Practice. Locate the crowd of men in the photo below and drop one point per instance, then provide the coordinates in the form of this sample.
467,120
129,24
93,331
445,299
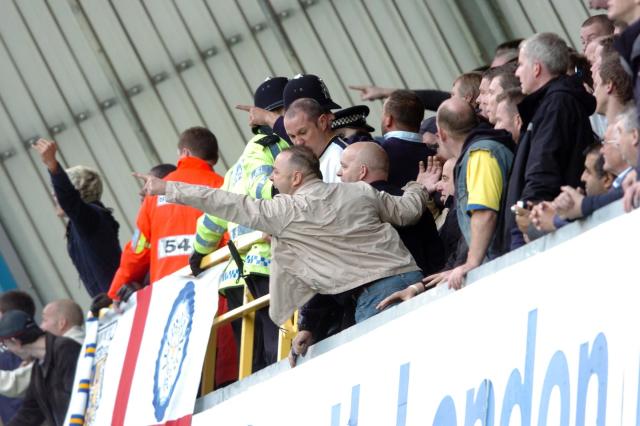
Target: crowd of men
352,223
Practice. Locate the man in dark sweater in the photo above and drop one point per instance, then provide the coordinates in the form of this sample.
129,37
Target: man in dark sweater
52,374
402,114
555,130
92,231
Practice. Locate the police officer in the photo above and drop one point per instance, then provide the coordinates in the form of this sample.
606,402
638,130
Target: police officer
300,86
248,176
351,124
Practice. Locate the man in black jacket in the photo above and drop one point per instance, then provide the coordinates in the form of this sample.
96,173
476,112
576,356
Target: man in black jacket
554,133
92,231
52,374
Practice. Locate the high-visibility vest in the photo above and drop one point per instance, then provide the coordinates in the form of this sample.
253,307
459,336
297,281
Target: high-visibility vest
248,176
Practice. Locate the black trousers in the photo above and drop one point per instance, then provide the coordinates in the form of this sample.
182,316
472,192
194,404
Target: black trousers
265,337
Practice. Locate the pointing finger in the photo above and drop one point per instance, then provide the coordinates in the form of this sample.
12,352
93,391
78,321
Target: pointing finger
142,176
244,107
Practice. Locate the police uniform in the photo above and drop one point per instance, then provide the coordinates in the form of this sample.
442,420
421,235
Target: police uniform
354,117
249,176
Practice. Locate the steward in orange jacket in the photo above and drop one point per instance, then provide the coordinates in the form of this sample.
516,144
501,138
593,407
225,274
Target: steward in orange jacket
163,240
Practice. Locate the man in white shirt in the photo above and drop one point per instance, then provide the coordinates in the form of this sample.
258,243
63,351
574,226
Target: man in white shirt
309,124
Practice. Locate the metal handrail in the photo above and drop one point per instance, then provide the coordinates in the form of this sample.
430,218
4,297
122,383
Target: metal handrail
247,313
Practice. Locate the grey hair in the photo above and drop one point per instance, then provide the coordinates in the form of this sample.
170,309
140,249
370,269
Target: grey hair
628,118
550,50
87,181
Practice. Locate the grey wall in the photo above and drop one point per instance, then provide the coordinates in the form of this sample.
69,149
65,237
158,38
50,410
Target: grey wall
114,82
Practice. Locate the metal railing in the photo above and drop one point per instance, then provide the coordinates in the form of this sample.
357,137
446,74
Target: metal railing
247,312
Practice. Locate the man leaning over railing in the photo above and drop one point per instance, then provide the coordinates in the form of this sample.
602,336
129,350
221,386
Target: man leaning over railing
328,238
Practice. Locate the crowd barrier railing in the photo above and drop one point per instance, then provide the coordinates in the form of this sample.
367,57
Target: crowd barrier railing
247,312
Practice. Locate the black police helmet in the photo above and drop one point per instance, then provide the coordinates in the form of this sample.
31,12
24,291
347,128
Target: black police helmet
269,94
308,86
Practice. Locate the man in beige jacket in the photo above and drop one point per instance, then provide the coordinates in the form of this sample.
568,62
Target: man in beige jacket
328,238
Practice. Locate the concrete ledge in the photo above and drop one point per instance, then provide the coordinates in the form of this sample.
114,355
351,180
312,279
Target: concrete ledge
564,234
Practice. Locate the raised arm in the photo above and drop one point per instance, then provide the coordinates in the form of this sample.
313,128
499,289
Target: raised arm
265,215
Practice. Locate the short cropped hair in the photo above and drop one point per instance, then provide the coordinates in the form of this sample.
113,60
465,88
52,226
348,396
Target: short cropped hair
611,70
509,50
603,20
87,181
201,142
513,97
491,73
507,46
469,84
507,75
595,148
457,122
406,108
303,159
628,118
548,49
308,106
16,300
161,170
607,45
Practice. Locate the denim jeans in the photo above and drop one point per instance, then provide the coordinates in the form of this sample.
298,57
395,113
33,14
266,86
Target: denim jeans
380,289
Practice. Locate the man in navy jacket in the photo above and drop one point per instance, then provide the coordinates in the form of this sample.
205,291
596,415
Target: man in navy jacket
402,114
555,129
92,231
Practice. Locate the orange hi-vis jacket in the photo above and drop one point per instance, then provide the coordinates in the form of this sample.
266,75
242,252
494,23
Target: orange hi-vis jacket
162,242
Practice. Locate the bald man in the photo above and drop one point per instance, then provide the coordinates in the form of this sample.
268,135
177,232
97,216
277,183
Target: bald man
483,158
368,162
64,317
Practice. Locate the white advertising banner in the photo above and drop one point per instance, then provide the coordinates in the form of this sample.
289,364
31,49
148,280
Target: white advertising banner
549,340
148,358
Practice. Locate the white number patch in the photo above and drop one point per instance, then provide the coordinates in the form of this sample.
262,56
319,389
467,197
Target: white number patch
176,245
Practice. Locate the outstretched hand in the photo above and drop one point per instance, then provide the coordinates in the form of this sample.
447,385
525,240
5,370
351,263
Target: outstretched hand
429,174
371,93
152,184
259,116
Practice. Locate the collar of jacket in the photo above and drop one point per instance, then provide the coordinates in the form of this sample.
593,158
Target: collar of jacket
48,353
308,187
193,163
383,185
563,83
262,130
484,131
404,135
529,105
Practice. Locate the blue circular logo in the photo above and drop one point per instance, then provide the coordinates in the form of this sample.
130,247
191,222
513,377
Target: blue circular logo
173,349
